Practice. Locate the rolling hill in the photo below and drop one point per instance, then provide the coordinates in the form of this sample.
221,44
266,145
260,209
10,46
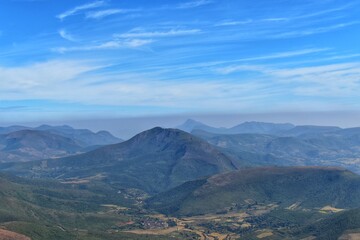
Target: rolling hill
341,226
46,209
291,187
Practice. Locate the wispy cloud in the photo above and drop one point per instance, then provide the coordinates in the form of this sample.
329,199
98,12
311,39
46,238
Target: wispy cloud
122,89
170,33
77,9
40,74
12,108
312,31
65,35
249,21
105,13
331,80
280,55
114,44
233,23
194,4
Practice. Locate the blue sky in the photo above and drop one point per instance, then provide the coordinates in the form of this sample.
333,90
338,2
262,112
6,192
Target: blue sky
110,58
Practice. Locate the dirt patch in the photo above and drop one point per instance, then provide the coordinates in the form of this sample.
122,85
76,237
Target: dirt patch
154,231
264,235
350,236
7,235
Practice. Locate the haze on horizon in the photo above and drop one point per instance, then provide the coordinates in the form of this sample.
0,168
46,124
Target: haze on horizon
215,59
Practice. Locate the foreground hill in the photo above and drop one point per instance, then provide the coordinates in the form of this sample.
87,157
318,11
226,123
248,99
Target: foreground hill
154,161
344,226
27,145
305,187
42,210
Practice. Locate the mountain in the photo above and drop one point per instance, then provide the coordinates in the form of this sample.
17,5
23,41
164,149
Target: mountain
154,161
309,131
305,187
339,148
83,137
246,127
260,127
26,145
276,129
191,125
6,130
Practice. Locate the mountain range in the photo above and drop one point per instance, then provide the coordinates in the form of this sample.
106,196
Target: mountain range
339,148
20,144
277,129
171,184
154,161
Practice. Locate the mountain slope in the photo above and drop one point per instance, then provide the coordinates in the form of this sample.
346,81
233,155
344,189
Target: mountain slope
307,187
334,227
309,130
26,145
154,161
46,209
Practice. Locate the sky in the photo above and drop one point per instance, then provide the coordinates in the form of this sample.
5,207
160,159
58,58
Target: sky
92,59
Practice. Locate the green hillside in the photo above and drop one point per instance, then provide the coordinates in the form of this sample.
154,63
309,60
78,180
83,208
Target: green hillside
305,187
333,227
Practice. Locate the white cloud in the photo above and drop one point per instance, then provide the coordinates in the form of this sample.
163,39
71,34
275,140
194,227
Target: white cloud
194,4
77,9
41,74
312,31
233,23
105,13
72,81
340,80
236,68
137,42
170,33
65,35
114,44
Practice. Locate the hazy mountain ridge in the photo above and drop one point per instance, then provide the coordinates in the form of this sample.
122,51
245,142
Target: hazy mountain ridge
253,127
27,145
246,127
83,137
18,143
337,148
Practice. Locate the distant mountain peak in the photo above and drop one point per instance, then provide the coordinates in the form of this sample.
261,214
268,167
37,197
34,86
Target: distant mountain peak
161,135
